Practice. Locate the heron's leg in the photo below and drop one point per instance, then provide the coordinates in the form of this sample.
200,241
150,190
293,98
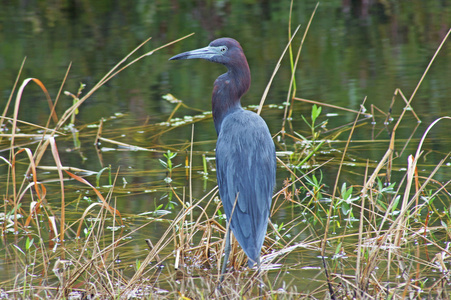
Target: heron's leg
260,289
227,249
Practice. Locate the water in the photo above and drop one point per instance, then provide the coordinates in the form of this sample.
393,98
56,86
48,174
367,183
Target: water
349,54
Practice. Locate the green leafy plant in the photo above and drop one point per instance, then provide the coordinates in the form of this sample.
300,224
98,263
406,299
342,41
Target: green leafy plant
169,165
76,99
137,264
316,112
311,146
99,174
345,202
28,243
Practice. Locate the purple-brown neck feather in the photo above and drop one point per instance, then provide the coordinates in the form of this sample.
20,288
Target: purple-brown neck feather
231,86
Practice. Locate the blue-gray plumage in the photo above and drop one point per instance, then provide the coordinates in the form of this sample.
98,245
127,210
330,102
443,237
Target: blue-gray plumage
245,152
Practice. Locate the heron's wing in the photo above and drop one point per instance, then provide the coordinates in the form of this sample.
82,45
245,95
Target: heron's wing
246,166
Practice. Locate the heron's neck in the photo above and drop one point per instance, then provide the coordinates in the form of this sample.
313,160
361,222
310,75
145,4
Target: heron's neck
227,92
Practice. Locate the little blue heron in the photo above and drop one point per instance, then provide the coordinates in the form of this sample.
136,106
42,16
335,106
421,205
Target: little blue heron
245,152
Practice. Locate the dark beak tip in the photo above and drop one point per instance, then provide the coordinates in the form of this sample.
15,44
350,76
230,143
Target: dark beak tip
178,57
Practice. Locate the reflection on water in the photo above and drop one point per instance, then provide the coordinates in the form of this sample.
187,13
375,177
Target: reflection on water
351,52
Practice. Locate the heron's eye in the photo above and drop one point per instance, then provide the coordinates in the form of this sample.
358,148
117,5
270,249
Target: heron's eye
223,49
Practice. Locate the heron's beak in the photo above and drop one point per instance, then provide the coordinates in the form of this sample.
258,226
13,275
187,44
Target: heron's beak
204,53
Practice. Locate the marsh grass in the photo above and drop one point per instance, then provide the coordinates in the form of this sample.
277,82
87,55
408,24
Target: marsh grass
376,239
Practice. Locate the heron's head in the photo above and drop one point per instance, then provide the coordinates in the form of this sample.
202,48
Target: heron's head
226,51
